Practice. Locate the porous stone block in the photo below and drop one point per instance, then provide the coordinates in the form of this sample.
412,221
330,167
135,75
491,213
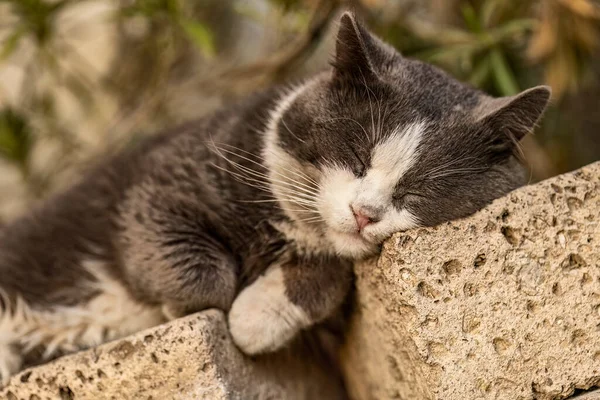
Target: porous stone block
189,358
502,305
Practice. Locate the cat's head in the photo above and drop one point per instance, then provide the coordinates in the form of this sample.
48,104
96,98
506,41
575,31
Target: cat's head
382,144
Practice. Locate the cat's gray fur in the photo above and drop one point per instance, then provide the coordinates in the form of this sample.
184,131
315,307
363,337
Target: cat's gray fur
232,209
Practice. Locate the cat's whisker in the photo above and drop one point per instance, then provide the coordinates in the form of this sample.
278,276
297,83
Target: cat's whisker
462,168
305,208
461,160
298,173
240,150
290,192
312,219
301,210
272,200
448,164
379,122
257,184
246,176
308,213
259,201
309,182
376,132
457,171
235,174
370,108
299,202
290,131
385,111
309,189
297,187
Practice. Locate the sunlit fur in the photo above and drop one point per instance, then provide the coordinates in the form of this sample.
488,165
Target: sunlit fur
62,329
250,209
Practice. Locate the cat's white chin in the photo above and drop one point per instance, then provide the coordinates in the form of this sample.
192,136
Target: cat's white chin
351,244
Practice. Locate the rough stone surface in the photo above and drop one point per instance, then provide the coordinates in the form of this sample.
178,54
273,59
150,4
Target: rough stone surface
502,305
190,358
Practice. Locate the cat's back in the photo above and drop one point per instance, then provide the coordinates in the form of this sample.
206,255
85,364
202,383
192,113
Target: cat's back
41,252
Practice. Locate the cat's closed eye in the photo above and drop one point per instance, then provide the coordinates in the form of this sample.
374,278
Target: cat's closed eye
404,197
359,168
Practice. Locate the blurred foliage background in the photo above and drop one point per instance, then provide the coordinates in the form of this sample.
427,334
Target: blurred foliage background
83,77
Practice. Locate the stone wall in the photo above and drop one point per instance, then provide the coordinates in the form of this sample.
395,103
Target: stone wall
502,305
191,358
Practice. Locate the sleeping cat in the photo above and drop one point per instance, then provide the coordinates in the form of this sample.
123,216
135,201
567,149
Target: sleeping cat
260,209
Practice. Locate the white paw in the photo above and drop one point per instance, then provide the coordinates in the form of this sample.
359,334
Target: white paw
262,319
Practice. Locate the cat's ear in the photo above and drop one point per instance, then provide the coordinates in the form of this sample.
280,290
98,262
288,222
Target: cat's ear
354,50
513,117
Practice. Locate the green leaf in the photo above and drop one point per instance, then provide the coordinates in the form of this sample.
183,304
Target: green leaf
201,36
503,76
514,27
448,54
488,11
15,136
470,17
481,72
11,43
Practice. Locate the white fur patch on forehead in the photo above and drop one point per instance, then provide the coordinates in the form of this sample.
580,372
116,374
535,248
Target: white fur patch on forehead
398,152
390,160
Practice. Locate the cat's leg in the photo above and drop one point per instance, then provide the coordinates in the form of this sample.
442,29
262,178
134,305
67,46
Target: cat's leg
170,257
192,275
289,297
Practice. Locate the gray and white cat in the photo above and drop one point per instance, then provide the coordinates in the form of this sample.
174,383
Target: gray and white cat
261,208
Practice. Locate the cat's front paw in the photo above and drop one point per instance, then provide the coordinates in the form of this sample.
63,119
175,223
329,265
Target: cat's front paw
262,318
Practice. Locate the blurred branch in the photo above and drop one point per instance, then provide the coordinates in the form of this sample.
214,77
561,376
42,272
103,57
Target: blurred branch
583,8
279,66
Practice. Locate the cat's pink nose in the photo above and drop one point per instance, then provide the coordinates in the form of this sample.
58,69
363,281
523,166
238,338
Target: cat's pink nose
363,216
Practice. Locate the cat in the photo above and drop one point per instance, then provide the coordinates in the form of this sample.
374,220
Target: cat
260,209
